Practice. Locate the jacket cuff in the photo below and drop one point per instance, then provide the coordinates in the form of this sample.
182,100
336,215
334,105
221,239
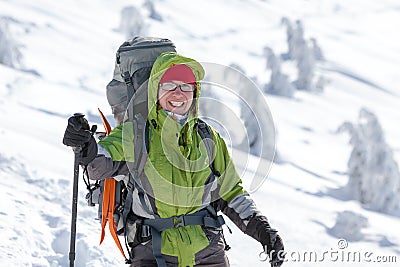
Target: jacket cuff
89,152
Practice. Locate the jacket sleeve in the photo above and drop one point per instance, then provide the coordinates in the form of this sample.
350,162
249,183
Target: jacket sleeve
243,212
112,154
103,166
233,200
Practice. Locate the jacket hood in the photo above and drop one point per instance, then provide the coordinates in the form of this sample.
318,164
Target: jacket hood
160,66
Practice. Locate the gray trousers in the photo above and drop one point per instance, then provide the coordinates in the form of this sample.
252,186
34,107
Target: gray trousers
213,255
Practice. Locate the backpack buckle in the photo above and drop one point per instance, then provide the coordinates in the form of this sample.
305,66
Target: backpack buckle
127,78
178,221
146,232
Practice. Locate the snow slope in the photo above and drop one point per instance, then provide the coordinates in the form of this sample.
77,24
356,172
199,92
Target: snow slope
68,50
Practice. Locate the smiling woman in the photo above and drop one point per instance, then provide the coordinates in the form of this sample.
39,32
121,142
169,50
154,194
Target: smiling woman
176,101
170,98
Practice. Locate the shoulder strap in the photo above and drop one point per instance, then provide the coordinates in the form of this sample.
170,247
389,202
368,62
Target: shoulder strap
206,135
129,85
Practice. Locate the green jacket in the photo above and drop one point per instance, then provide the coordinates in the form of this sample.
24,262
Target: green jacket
177,167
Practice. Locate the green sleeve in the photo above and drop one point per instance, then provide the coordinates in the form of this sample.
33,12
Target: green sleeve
119,143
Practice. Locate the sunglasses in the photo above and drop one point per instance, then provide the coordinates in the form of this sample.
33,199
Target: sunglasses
170,86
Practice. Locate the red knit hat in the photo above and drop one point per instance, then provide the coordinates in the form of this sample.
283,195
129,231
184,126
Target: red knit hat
179,72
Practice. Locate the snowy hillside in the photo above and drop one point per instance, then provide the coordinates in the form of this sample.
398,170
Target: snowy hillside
63,57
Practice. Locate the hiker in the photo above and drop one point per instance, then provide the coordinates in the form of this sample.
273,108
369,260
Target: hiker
175,202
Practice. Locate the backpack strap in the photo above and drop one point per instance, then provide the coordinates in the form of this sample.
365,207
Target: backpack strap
129,85
206,135
201,217
140,153
140,141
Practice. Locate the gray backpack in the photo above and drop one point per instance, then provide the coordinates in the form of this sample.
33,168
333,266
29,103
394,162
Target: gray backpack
133,64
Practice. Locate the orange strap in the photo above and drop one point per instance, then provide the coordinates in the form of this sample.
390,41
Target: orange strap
108,213
109,201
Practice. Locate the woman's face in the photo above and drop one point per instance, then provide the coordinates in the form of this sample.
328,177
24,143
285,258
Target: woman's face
176,101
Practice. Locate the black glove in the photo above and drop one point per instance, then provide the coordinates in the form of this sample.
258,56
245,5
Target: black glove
78,134
259,228
274,248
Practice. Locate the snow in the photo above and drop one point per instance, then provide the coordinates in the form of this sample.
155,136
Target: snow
67,58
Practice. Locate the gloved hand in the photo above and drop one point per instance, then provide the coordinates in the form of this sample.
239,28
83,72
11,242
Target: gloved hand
273,246
78,134
259,228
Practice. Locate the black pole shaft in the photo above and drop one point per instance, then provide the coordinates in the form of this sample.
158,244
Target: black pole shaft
77,152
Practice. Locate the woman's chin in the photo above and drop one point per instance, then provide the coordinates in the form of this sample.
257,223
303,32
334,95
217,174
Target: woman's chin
178,110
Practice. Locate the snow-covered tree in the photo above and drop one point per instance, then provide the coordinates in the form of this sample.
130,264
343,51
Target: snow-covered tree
213,109
289,36
132,22
279,83
305,64
247,112
349,225
305,55
305,60
294,37
317,51
299,44
374,176
234,105
256,117
10,54
210,104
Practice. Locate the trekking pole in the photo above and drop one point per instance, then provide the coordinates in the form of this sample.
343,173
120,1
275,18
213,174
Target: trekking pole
77,152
